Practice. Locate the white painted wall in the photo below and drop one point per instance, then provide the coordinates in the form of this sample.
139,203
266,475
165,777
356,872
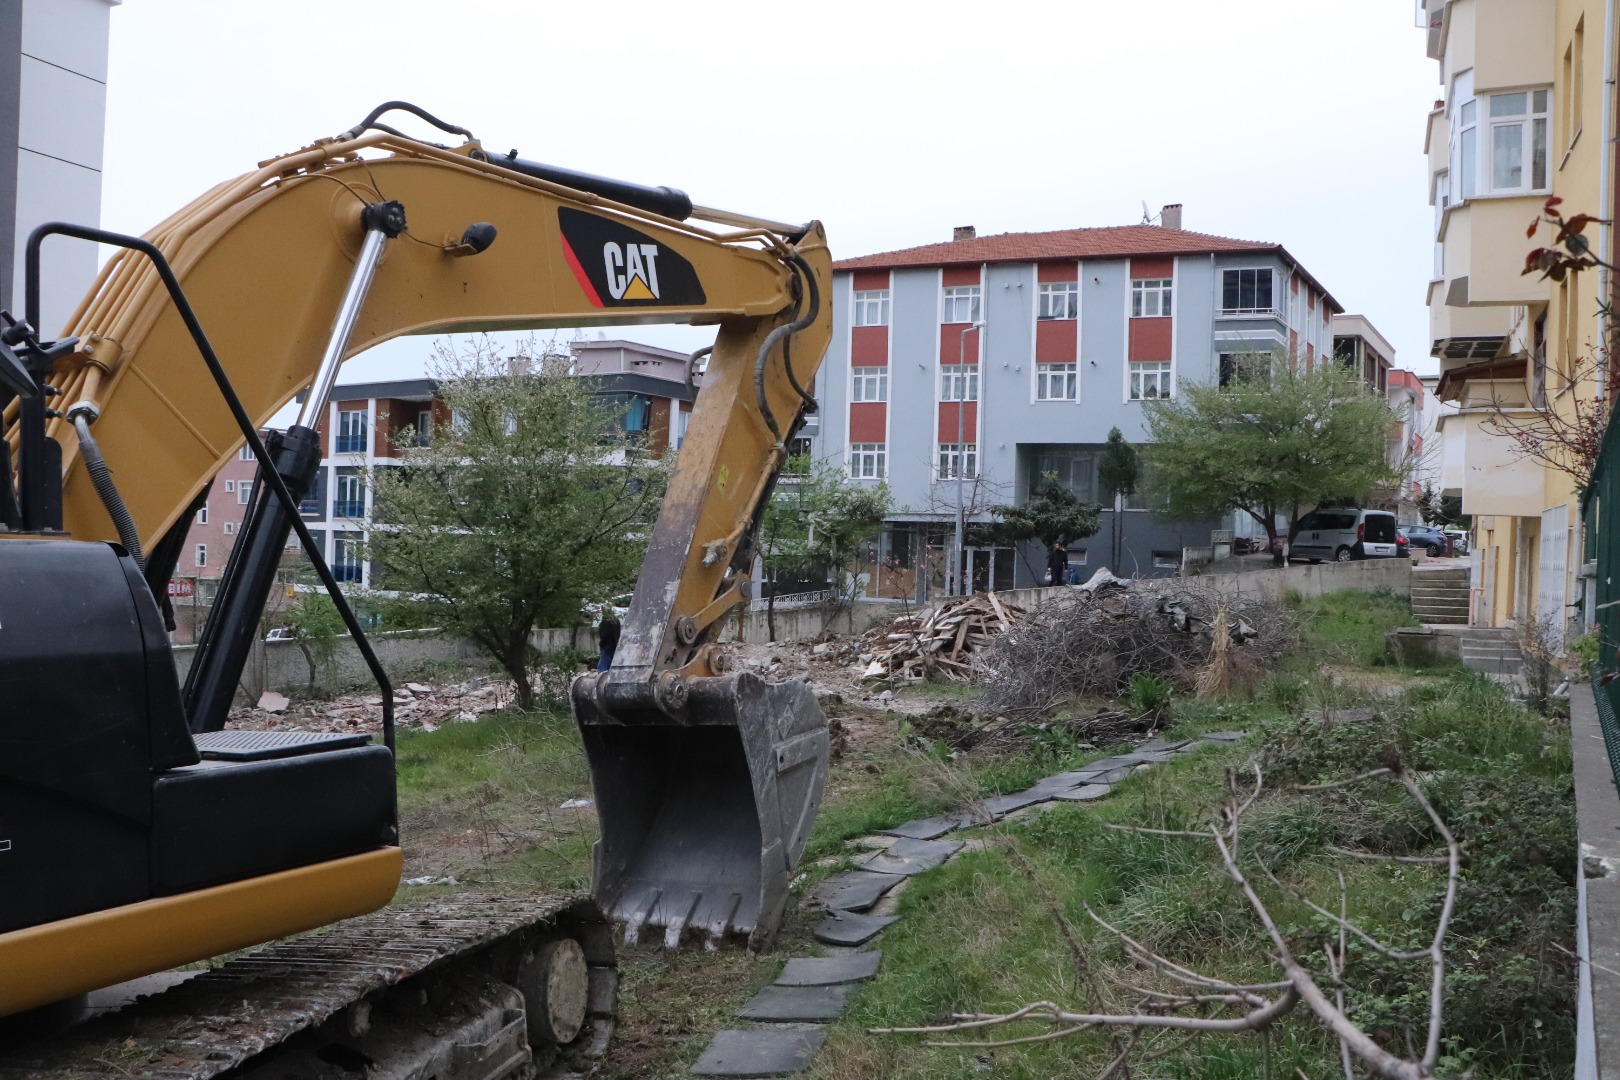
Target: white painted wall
62,108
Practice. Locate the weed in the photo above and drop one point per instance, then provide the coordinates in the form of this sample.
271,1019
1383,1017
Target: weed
1150,696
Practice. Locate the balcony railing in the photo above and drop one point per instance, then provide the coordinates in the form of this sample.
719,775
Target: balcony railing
351,444
346,571
351,508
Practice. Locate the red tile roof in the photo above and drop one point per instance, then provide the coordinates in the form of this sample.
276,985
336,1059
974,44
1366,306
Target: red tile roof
1115,242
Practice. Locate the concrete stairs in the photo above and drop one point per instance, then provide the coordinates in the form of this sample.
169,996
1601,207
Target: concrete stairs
1493,651
1441,596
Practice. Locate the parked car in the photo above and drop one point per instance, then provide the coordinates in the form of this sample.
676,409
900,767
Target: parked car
1433,540
1344,533
1459,541
1403,546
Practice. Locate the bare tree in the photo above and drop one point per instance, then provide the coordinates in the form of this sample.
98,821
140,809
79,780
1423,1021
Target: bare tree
1203,1004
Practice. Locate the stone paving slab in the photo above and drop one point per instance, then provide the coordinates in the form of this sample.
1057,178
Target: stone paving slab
856,890
1224,736
767,1052
1084,793
851,928
930,828
825,970
1164,744
1111,775
1001,805
797,1004
907,857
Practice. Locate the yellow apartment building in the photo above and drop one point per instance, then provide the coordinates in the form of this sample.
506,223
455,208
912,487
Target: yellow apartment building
1522,114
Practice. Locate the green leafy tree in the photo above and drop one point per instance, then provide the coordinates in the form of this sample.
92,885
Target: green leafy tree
529,501
815,523
317,628
1277,441
1052,514
1117,473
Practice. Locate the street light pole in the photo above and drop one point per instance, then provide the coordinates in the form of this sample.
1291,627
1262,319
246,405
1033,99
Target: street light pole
961,453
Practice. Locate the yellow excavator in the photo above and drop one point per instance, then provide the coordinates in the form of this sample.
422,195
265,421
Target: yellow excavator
138,834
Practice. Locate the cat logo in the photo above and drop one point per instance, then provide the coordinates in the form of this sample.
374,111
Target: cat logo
632,270
617,266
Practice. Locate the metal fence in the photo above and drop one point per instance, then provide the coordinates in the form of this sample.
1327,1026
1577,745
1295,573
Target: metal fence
1600,518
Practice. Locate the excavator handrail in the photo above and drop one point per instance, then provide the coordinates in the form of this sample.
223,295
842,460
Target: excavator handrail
267,470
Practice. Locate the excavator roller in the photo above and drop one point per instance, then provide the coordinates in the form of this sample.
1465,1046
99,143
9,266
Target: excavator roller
705,808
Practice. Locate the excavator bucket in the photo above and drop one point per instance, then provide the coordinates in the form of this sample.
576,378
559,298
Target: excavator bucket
704,809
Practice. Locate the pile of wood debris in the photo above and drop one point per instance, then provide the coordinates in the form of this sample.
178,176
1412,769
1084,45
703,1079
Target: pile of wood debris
940,643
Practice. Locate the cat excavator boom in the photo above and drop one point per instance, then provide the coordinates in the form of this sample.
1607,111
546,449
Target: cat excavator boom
136,834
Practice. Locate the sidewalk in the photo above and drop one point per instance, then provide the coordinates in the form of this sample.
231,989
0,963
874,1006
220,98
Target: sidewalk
1597,818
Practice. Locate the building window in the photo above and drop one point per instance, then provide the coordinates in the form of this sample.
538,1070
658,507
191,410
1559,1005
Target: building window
961,304
348,496
682,420
1059,300
1150,379
1241,367
868,461
351,438
245,454
1056,382
1518,141
228,527
244,492
1150,297
1247,292
954,456
424,428
202,554
202,514
230,486
872,308
870,384
959,382
346,549
800,448
1468,147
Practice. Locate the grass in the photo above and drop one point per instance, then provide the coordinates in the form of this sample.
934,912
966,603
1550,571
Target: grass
1353,623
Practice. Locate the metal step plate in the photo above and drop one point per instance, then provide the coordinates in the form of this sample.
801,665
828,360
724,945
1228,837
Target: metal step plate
262,745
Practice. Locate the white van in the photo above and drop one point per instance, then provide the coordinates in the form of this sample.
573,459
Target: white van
1340,534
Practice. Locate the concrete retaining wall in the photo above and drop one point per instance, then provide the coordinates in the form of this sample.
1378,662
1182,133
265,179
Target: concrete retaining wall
280,665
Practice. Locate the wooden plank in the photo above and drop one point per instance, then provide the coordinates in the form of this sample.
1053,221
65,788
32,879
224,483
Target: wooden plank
1001,613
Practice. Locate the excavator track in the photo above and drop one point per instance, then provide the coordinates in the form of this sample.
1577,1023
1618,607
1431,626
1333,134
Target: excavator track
475,986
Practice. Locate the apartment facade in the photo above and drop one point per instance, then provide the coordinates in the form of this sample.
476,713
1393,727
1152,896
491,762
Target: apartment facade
961,373
1523,115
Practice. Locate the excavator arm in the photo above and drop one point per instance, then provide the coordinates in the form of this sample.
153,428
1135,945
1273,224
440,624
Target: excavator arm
320,254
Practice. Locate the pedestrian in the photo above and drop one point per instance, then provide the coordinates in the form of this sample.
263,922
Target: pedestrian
1057,565
607,640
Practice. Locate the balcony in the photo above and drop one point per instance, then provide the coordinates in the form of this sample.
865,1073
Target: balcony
349,508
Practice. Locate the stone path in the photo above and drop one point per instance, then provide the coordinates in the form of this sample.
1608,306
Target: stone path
859,903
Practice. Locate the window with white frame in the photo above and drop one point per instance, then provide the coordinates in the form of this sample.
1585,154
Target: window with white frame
868,461
958,456
202,514
870,383
1059,300
1248,291
1150,379
1150,297
1518,141
960,304
1056,382
872,307
351,437
202,555
682,422
244,492
245,454
1468,147
229,528
230,486
1442,199
959,382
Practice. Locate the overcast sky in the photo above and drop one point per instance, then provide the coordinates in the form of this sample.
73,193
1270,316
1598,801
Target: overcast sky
1298,122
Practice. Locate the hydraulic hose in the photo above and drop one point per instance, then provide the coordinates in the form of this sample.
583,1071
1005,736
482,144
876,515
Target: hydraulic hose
101,477
813,308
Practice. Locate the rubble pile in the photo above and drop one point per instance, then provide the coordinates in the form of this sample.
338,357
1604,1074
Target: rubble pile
417,706
939,643
1089,642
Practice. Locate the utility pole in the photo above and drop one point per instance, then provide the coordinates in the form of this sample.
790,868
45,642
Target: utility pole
957,553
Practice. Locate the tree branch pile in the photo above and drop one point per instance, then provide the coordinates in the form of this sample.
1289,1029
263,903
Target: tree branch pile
1090,644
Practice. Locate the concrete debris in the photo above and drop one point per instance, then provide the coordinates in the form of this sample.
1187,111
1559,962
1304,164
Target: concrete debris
417,707
575,804
1103,579
446,880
